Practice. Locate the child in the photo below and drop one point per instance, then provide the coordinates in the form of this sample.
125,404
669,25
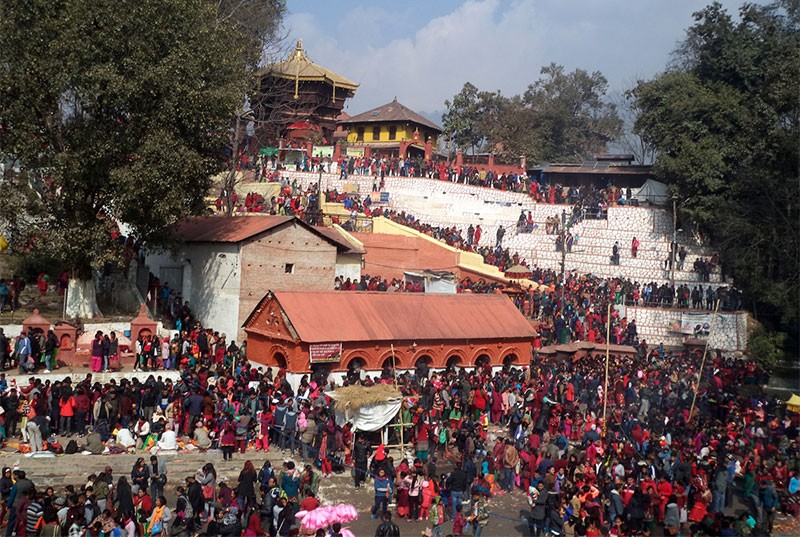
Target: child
428,493
459,522
436,516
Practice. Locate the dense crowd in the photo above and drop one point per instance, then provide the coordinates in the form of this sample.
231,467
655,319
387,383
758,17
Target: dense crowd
657,465
414,285
534,431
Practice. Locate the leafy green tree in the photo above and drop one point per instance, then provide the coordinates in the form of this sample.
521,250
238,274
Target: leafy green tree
461,121
117,112
560,117
572,114
724,119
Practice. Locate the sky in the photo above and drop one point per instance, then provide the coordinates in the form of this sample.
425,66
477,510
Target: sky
423,51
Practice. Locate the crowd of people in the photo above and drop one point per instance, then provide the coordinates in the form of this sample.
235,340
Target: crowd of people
659,458
377,283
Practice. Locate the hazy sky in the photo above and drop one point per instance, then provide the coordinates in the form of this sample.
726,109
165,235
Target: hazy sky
423,51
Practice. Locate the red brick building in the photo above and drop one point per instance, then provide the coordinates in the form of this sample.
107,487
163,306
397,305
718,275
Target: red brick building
305,330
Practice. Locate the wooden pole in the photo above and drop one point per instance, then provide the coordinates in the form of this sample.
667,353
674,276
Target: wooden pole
605,389
394,365
703,361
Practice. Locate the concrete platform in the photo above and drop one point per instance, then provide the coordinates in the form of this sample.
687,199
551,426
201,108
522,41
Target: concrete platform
78,373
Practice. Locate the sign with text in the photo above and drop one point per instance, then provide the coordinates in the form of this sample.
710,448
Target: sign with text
321,353
697,324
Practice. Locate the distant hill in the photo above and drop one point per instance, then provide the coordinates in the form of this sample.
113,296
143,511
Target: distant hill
435,116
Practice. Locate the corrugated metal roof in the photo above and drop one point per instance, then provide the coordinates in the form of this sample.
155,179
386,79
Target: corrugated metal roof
241,228
375,316
226,228
604,171
337,237
393,111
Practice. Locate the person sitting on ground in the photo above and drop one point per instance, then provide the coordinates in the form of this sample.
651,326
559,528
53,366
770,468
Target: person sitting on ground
94,444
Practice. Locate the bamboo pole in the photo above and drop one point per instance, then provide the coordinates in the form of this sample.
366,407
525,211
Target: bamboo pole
394,365
605,389
703,361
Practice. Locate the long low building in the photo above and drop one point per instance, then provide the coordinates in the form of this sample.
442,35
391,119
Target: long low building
340,330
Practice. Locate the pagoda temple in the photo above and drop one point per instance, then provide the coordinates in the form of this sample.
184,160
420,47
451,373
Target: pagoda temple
297,104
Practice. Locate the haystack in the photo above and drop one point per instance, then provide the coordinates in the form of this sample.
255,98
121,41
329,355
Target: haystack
355,397
368,408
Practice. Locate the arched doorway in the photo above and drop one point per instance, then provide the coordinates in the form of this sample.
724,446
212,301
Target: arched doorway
453,361
280,360
389,367
422,366
510,360
482,360
355,368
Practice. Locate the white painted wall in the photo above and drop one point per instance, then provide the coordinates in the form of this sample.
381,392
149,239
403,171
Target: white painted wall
654,325
348,266
211,281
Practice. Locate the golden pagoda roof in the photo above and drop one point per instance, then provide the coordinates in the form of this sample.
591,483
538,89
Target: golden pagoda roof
299,68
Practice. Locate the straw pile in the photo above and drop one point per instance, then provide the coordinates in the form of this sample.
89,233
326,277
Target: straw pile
354,397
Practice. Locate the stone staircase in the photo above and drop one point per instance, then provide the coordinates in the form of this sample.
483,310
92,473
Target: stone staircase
443,203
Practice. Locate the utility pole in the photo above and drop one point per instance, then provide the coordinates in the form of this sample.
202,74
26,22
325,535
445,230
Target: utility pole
674,246
230,180
563,259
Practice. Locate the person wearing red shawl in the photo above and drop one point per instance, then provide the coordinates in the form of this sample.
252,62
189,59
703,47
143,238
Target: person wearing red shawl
497,406
664,490
347,441
478,401
265,422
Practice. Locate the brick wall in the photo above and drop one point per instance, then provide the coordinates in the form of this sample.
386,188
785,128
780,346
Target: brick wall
264,263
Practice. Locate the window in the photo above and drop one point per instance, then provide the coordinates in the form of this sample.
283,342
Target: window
288,268
376,133
392,132
360,134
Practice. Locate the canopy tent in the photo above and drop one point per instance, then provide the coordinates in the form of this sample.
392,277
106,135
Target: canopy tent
652,191
518,272
793,404
368,408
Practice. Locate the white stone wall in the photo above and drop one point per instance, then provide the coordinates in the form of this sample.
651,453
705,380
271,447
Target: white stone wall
655,325
443,203
211,281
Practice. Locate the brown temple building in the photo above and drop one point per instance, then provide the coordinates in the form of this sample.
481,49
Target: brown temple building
298,103
303,331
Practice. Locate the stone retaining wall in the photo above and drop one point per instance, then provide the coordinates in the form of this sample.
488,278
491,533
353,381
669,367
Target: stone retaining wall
657,326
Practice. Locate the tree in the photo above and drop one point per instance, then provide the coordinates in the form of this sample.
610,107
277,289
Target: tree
560,117
118,113
725,120
572,113
462,119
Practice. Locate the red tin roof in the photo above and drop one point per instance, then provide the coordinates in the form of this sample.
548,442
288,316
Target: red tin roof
333,316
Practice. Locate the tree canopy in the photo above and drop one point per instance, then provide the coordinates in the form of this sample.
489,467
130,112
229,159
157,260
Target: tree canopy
562,116
724,120
118,112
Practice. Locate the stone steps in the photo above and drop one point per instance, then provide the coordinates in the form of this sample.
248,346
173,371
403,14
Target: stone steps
446,204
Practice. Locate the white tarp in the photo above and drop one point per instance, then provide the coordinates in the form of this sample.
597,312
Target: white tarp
368,417
653,191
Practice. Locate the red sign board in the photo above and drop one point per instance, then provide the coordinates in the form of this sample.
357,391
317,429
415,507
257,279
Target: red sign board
320,353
